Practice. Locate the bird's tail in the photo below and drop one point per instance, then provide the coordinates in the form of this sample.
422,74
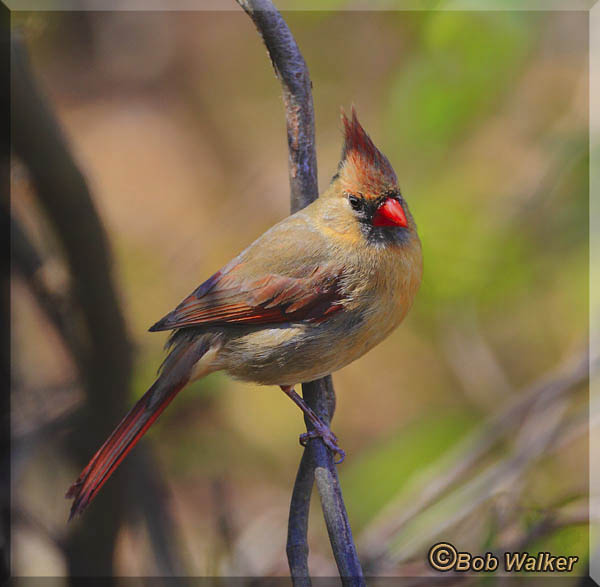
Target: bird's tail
174,376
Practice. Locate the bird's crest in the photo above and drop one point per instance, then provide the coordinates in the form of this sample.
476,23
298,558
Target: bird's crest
363,166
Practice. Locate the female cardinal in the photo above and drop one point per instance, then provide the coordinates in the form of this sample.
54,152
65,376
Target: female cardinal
312,294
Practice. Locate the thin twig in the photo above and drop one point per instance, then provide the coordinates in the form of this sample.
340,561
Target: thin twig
317,462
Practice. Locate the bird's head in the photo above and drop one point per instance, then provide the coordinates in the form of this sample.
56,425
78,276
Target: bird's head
366,190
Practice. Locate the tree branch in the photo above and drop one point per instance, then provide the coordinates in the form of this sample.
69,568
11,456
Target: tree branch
317,462
104,356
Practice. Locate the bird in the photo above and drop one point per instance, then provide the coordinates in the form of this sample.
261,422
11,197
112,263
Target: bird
312,294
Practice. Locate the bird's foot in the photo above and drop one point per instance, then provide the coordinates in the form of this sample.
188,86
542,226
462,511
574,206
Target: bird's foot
320,429
323,431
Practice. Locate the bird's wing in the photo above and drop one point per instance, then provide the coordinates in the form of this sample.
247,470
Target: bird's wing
264,285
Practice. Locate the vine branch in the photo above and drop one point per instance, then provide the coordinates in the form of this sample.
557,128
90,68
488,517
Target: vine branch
317,462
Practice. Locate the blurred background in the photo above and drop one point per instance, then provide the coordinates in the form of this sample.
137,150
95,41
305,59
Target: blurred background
468,424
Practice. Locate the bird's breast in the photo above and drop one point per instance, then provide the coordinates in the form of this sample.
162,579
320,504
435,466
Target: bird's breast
377,293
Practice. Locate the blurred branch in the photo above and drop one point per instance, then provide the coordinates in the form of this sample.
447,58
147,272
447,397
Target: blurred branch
473,361
222,511
149,493
103,352
39,432
535,419
317,462
87,317
28,519
550,523
29,264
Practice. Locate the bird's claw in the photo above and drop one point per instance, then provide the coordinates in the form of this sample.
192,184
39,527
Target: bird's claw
329,439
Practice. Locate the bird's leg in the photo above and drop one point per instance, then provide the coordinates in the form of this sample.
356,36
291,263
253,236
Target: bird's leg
321,430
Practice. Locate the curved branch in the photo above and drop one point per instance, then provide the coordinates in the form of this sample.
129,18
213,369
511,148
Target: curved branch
290,68
104,357
317,462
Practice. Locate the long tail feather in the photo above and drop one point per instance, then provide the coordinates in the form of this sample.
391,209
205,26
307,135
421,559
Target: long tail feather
173,378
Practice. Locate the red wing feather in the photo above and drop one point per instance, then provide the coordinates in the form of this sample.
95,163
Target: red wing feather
226,299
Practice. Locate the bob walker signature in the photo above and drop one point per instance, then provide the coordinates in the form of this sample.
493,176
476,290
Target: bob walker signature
444,556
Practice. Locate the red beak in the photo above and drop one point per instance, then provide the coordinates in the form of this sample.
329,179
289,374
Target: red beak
390,213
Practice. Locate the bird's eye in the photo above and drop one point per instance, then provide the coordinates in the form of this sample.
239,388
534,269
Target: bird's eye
356,203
